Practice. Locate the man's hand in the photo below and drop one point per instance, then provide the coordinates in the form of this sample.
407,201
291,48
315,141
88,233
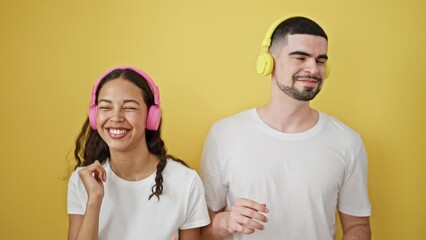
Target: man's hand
246,216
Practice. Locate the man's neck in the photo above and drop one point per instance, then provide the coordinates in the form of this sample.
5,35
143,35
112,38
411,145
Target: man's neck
290,117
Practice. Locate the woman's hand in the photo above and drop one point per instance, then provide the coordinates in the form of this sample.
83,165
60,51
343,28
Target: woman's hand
93,177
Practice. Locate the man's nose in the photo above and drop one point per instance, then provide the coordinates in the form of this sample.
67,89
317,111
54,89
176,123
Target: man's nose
312,67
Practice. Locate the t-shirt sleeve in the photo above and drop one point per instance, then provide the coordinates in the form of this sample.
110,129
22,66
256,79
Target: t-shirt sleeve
75,199
353,196
211,174
197,214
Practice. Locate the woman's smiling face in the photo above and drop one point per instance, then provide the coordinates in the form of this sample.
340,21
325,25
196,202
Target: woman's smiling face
121,115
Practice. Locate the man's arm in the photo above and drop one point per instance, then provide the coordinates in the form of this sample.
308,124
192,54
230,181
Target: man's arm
216,229
355,228
244,217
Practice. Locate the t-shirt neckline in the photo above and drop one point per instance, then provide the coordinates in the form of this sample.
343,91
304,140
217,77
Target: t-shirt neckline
319,125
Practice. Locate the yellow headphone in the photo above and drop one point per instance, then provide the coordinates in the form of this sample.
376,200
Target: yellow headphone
265,61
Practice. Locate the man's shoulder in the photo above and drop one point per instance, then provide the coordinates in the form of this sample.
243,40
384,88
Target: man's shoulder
335,122
340,129
235,120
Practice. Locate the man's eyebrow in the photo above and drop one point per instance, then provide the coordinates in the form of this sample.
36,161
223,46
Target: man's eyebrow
300,53
322,56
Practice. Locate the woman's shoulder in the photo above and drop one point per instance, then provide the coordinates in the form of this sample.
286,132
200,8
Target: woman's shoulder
182,180
74,181
179,172
177,166
74,174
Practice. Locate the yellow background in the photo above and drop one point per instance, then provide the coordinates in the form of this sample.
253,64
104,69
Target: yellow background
202,55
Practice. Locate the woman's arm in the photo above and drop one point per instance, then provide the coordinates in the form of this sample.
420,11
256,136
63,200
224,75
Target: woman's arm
74,224
87,226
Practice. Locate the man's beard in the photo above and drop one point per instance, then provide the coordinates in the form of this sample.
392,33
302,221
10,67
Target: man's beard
307,94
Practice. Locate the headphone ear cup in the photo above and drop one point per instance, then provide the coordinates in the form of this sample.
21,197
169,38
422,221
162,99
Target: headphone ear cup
153,118
327,69
92,117
265,64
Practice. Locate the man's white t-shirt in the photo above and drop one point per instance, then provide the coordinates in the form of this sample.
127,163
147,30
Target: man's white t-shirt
301,177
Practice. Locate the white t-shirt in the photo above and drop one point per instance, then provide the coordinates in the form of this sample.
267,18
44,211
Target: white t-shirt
301,177
126,213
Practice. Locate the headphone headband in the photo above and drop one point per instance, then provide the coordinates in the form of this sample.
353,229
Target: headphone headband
266,43
149,80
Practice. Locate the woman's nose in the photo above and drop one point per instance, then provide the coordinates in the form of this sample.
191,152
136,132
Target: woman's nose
117,116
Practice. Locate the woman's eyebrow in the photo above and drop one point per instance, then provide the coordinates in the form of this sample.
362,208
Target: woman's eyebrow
104,100
125,101
131,101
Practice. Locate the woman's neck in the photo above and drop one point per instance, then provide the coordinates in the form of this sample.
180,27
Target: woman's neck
133,166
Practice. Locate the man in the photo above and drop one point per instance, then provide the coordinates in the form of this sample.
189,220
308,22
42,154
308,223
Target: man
280,171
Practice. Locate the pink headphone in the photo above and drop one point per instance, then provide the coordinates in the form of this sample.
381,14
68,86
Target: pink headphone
154,113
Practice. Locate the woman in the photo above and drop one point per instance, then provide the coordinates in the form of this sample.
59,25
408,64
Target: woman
125,185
